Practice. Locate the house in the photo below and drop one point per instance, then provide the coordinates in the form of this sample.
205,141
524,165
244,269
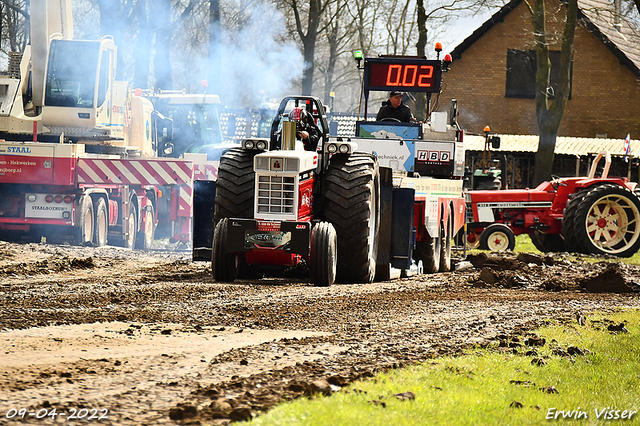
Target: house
492,72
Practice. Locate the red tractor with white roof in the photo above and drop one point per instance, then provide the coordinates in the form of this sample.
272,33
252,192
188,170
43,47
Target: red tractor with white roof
597,215
349,208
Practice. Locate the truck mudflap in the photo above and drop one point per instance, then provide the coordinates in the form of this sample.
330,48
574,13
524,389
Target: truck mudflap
250,234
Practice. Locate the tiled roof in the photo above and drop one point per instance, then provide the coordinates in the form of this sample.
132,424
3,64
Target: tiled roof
564,145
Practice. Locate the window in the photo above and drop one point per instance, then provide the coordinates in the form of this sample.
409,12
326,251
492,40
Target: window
521,73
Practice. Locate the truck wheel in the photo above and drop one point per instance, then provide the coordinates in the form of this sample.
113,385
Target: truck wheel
224,266
144,239
548,243
235,185
608,221
568,220
130,241
86,231
323,260
101,222
352,205
445,246
428,251
497,237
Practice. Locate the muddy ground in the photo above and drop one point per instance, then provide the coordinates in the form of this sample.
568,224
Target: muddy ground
147,337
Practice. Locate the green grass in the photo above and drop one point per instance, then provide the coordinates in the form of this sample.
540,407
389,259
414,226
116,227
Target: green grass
476,388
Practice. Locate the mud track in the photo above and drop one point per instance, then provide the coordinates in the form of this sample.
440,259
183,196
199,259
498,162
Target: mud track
148,338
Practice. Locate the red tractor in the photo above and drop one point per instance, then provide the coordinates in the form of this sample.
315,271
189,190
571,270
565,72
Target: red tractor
598,215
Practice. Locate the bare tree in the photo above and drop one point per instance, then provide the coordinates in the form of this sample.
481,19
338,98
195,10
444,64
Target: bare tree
550,106
14,26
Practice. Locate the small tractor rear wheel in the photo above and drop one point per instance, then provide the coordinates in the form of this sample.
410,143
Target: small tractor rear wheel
323,259
235,185
548,243
608,221
224,266
445,246
497,237
352,205
429,251
568,220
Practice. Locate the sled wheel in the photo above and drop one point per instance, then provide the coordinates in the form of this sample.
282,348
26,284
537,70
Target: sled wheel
497,237
224,266
569,218
323,259
445,246
608,221
144,239
352,205
429,251
101,222
132,229
548,243
86,231
235,185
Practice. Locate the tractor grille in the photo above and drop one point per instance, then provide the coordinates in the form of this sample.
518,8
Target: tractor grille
276,194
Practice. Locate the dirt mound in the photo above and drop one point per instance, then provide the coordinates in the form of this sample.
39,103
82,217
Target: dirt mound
611,280
48,266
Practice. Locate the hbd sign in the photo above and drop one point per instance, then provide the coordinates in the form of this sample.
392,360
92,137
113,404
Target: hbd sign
433,156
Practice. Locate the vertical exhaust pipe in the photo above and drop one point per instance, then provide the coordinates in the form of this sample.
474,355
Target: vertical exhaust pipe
288,135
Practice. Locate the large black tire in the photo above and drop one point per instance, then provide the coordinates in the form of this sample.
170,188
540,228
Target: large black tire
224,266
101,222
568,220
144,239
429,251
445,246
497,238
85,233
323,259
235,185
548,243
352,205
607,221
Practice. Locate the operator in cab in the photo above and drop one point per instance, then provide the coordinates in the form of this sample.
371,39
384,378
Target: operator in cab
394,110
306,129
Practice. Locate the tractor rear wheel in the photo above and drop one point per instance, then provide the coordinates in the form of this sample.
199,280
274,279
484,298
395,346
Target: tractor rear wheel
548,243
323,258
607,221
445,246
429,251
352,205
235,185
224,266
568,219
497,237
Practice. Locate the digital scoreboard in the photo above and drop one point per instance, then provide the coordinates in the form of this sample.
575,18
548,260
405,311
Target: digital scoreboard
402,74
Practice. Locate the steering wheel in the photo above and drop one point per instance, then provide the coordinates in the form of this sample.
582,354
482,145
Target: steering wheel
391,119
557,182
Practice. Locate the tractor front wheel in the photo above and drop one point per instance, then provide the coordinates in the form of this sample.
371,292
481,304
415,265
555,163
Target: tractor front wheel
607,221
224,266
323,259
497,237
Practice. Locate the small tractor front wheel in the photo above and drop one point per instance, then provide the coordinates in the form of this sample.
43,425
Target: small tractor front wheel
224,266
607,221
323,260
497,237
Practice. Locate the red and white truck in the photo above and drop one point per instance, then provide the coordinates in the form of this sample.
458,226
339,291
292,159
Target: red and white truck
83,158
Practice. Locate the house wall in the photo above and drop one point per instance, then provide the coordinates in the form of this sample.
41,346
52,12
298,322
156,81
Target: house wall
605,94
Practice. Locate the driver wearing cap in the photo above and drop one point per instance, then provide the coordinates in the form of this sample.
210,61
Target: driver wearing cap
394,109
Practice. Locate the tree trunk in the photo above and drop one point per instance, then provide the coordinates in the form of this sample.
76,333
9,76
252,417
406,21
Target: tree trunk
309,45
333,57
549,110
142,49
421,98
215,40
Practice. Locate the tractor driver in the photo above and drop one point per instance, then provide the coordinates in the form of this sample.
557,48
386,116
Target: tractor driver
306,129
395,110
